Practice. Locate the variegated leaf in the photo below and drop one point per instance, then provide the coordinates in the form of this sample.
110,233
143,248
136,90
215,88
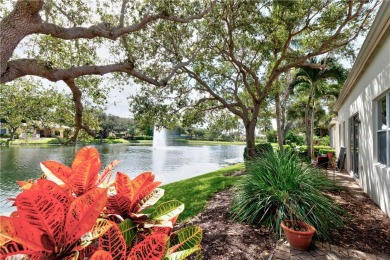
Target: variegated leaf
85,175
186,238
167,210
83,212
149,200
43,211
141,194
21,232
13,249
128,229
101,226
181,255
101,255
113,242
57,172
25,185
107,172
85,167
124,185
152,247
119,204
143,180
87,153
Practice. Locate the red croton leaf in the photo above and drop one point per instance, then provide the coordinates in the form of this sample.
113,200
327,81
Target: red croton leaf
143,180
85,167
83,212
113,242
118,204
45,209
107,172
152,247
124,185
12,248
140,194
22,232
57,170
101,255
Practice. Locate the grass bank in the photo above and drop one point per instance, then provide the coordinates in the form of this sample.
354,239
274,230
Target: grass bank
203,142
196,191
95,141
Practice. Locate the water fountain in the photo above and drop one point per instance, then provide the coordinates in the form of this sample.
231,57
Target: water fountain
159,138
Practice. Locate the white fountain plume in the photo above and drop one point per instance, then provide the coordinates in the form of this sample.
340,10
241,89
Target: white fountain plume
159,138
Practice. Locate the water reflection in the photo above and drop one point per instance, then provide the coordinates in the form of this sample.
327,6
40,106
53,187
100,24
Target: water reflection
170,164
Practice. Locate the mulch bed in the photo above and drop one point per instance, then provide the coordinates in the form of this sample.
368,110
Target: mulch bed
366,229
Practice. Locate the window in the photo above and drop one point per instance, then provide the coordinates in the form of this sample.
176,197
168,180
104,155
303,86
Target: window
383,130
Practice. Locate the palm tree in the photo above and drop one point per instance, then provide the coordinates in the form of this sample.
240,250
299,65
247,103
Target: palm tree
314,83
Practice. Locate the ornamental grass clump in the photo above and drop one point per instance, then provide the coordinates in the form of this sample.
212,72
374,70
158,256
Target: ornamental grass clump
279,187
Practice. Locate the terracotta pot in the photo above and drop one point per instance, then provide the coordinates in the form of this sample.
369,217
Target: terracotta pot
299,239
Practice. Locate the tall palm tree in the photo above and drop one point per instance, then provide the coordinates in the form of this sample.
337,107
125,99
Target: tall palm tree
314,83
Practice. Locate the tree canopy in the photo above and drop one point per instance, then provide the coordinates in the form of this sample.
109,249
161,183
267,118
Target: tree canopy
247,45
79,41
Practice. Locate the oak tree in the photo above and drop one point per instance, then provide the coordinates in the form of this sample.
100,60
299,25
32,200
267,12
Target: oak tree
79,41
247,45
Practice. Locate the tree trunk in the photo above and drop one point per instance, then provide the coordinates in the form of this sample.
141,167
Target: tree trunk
279,127
12,133
250,139
309,123
312,132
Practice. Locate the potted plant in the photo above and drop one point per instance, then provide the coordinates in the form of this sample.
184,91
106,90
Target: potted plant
278,187
297,232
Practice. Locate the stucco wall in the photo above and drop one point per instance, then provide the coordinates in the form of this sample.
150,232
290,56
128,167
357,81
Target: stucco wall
374,81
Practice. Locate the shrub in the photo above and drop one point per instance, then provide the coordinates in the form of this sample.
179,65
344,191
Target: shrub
260,149
291,137
322,141
327,150
271,136
318,148
87,217
143,137
276,185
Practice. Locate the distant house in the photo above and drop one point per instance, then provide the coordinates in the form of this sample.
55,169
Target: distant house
363,123
52,130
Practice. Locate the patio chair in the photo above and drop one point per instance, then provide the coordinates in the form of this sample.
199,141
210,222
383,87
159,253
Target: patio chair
341,159
321,162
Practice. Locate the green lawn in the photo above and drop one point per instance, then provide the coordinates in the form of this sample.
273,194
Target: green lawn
196,191
96,141
203,142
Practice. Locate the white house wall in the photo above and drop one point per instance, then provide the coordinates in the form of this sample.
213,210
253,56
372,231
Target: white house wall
374,81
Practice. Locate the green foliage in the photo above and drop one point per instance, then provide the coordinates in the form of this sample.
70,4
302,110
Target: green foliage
326,151
318,148
260,149
143,137
271,136
277,187
292,137
322,141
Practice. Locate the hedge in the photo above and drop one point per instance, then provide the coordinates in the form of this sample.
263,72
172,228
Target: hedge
260,149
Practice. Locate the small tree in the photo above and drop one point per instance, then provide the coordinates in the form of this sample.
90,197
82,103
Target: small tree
314,84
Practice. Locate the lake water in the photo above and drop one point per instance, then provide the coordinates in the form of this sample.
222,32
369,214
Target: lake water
169,164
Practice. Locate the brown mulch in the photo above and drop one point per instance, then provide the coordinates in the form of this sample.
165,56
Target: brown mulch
366,229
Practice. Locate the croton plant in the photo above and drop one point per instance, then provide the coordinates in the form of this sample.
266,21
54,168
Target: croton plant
76,213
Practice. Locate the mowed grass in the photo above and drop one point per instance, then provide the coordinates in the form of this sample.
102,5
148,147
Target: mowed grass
203,142
195,192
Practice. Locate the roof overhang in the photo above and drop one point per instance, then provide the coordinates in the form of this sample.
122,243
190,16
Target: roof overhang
378,31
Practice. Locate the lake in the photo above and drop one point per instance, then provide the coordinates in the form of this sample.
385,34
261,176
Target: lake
170,164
